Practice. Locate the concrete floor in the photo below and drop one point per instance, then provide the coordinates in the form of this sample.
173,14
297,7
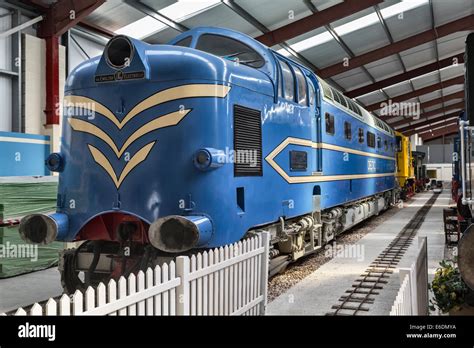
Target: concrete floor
29,288
317,293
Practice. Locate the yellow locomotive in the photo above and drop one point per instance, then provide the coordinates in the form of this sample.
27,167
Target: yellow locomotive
405,170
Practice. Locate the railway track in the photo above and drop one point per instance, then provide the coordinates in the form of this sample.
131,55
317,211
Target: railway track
365,289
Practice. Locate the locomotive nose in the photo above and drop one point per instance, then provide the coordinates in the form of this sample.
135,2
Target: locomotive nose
43,229
177,233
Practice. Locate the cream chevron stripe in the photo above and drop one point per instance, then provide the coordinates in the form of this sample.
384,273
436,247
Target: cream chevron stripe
167,120
319,177
170,94
101,160
180,92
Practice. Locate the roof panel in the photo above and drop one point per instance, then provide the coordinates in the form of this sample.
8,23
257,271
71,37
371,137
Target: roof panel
371,98
425,80
398,89
385,67
430,96
448,11
452,71
367,39
419,55
221,16
410,23
452,44
325,54
349,79
324,4
114,14
275,13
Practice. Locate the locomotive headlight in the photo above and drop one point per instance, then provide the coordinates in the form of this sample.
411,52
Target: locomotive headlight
55,162
119,52
208,158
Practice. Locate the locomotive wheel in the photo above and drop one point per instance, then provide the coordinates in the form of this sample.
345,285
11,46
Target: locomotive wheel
70,279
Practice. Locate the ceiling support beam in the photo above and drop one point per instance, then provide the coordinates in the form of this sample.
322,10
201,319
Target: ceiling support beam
442,100
453,107
315,21
465,23
411,74
409,130
416,93
96,29
448,130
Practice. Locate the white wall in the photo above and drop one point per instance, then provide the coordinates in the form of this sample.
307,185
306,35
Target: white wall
5,81
76,54
444,171
34,92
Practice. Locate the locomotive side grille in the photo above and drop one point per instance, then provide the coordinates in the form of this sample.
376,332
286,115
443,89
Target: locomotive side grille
247,142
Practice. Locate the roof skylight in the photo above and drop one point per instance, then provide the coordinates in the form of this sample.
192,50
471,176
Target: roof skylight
178,12
363,22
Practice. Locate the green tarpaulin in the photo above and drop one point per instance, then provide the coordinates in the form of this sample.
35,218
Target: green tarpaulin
20,197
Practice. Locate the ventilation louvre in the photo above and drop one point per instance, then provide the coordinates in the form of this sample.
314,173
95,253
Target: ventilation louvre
247,142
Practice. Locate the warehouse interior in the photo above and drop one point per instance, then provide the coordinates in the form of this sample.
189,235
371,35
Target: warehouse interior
402,64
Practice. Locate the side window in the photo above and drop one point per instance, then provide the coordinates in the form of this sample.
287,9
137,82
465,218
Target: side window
348,130
361,135
370,139
288,82
184,42
230,49
301,80
312,93
329,124
385,145
379,142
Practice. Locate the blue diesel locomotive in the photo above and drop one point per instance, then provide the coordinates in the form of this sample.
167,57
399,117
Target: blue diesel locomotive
167,149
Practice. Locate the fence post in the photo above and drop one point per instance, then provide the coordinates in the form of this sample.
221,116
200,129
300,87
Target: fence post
182,291
406,272
422,278
264,273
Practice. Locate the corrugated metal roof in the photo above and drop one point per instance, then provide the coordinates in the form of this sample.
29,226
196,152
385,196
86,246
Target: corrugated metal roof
362,32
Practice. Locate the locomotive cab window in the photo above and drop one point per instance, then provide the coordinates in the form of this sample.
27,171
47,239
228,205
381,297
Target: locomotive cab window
399,143
348,130
330,129
385,145
230,49
379,142
370,139
361,135
301,80
288,81
186,42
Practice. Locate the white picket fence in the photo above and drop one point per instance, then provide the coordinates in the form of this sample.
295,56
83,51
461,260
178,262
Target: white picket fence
230,280
412,298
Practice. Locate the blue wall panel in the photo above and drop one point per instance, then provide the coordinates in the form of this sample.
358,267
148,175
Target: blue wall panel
23,154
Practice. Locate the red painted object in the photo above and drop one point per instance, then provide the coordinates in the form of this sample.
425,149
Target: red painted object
52,80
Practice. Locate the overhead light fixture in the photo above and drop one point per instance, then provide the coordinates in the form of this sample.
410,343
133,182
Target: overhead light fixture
356,24
178,12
